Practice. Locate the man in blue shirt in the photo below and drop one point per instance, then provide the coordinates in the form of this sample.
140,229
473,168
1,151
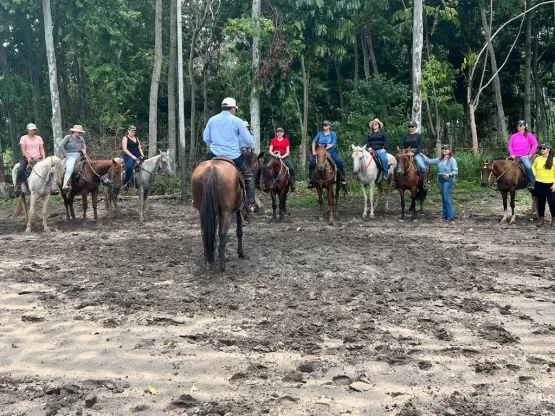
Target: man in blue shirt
226,135
327,139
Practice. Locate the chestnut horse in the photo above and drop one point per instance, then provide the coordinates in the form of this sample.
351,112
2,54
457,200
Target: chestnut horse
407,177
113,186
275,178
217,194
325,175
85,182
509,177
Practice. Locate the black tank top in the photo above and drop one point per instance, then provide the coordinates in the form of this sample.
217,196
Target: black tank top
133,147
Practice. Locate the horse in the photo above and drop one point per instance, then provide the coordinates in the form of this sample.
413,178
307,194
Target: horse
369,174
217,194
145,174
324,176
113,187
407,177
275,178
39,185
509,177
86,181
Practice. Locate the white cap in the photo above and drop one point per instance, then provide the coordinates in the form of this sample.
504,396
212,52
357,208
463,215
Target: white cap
229,102
31,126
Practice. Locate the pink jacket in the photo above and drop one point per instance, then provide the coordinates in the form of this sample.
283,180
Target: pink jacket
519,144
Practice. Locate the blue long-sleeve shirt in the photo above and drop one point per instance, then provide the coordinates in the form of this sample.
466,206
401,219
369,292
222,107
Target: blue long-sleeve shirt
226,134
445,166
323,139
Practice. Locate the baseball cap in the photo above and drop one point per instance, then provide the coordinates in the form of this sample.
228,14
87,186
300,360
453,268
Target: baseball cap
521,123
413,124
132,127
229,102
31,126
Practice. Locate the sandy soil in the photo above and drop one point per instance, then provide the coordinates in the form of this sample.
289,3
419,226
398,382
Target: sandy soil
376,317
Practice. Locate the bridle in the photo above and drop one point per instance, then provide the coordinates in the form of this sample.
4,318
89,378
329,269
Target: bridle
38,174
492,173
279,175
159,164
405,172
322,167
372,153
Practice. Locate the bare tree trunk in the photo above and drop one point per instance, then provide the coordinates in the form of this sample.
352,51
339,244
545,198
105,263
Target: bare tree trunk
371,48
356,73
496,82
181,105
255,98
417,42
155,83
172,129
540,104
365,58
9,106
304,133
205,94
340,89
193,133
528,69
53,78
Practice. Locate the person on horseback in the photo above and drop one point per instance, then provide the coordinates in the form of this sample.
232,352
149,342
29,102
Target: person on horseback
72,146
32,149
327,139
378,140
226,135
132,150
279,148
523,145
414,141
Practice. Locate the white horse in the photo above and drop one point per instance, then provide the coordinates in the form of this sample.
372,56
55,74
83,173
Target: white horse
365,166
39,185
144,177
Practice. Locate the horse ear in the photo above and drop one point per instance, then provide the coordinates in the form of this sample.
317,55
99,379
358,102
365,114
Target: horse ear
114,161
261,155
398,150
353,146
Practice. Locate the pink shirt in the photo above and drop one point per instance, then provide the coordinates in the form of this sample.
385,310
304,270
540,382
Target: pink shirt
519,144
32,146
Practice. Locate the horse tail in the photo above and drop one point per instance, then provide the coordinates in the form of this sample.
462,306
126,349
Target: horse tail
210,209
18,208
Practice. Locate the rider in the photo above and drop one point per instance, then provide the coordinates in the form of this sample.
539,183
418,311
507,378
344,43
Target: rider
132,150
326,138
378,140
279,147
32,148
414,141
71,147
226,134
523,145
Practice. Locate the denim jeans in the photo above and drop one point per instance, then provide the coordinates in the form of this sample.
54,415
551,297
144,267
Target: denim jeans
129,162
21,170
445,186
70,164
420,162
335,158
247,176
527,168
383,158
289,165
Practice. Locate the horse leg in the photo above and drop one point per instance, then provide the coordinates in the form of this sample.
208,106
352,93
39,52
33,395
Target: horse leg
72,211
336,203
321,201
141,205
274,204
365,212
505,214
402,194
107,197
45,212
31,212
413,204
24,203
330,202
95,202
240,235
85,203
282,203
379,197
225,222
145,198
513,216
371,199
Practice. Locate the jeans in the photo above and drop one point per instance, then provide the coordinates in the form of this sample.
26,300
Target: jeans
335,158
383,158
21,170
543,194
289,165
129,163
247,176
527,168
70,164
420,162
445,186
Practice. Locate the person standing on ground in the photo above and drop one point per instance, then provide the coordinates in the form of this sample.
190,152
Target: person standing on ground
544,185
447,169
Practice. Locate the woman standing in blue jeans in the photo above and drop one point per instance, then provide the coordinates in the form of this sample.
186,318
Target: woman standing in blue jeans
447,169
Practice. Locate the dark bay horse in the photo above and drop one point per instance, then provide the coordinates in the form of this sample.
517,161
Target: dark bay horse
407,177
217,194
325,175
275,178
113,186
87,181
509,177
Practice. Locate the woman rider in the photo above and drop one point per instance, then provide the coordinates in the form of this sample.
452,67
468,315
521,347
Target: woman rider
378,140
414,141
132,150
279,147
328,139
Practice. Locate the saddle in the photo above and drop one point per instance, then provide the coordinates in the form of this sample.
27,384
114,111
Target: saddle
519,164
30,167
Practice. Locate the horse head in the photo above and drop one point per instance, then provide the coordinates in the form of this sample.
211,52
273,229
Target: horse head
269,171
487,171
358,156
115,172
404,160
165,163
321,158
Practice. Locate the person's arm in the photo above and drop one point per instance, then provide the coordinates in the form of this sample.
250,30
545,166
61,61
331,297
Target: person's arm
419,146
314,144
24,151
140,148
271,151
532,140
206,134
287,152
385,141
333,143
83,147
62,147
454,167
434,161
511,147
41,149
246,137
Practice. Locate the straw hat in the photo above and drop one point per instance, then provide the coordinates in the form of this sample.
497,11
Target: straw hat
77,128
376,120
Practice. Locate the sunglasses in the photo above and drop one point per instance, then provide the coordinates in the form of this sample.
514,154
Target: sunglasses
325,125
412,127
545,148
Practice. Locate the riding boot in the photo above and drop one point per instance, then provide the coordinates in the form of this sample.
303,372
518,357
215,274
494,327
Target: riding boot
310,184
292,181
17,190
425,179
540,221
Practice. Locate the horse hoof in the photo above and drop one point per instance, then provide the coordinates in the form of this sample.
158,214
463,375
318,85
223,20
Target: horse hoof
371,215
321,218
27,230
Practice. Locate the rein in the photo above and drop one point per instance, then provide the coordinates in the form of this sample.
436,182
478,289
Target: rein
502,173
326,164
90,164
372,153
159,164
38,174
411,166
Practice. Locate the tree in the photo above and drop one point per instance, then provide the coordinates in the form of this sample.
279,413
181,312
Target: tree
417,42
181,105
155,83
255,98
172,67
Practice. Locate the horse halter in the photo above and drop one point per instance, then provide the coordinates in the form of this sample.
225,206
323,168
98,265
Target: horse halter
408,162
372,153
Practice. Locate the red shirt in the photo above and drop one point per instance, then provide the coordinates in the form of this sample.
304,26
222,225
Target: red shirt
279,145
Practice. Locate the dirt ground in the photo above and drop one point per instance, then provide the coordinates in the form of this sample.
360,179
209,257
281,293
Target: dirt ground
373,317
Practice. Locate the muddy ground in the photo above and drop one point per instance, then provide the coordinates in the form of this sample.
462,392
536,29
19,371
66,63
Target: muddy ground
375,317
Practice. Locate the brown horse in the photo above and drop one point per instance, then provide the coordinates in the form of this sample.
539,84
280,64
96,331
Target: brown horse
509,177
275,178
325,175
87,181
407,177
113,187
217,194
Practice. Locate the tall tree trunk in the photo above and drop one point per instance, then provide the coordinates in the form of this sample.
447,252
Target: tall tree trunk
53,78
357,63
365,58
496,82
9,106
540,104
304,131
172,131
417,42
371,48
181,105
155,83
255,97
528,68
193,133
340,88
205,95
